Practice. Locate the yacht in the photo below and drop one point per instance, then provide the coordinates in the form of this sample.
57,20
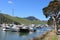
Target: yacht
5,27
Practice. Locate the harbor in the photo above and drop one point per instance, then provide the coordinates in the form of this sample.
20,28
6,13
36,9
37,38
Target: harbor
14,35
29,20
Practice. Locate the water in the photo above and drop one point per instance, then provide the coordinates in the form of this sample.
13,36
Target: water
21,36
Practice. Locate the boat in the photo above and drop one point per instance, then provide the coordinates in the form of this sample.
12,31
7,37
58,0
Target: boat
32,29
24,29
15,28
6,27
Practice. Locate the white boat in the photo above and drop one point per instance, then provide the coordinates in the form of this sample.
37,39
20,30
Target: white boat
5,27
32,29
15,28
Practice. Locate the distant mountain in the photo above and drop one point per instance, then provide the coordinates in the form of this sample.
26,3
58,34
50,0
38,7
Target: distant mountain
32,18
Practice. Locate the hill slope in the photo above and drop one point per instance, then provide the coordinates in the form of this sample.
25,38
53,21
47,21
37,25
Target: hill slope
4,18
31,18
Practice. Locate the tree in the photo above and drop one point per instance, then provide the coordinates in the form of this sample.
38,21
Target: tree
50,22
52,11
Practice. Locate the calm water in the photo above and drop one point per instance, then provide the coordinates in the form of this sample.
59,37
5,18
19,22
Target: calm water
21,36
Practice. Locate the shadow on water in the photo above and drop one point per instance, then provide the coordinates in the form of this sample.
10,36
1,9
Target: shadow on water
23,33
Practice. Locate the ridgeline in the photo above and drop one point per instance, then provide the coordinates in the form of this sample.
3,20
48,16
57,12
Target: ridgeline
5,18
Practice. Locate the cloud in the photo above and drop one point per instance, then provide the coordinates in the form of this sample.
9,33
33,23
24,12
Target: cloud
10,2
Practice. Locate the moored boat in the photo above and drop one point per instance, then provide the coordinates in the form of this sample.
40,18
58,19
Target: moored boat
24,29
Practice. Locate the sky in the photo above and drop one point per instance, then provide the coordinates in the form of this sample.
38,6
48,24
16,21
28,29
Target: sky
24,8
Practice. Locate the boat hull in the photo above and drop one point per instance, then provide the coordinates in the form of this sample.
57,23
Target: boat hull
24,30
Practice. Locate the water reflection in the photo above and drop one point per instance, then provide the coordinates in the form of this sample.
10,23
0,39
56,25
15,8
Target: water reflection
20,35
23,33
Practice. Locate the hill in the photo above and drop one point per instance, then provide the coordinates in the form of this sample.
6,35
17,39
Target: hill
31,18
4,18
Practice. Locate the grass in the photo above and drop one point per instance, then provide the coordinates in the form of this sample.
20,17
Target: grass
47,36
51,36
22,20
54,38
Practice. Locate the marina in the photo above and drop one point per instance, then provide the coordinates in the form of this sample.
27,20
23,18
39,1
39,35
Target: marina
8,35
29,20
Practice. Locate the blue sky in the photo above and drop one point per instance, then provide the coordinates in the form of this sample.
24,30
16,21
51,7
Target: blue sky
24,8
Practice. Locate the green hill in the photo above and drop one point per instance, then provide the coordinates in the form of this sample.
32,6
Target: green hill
4,18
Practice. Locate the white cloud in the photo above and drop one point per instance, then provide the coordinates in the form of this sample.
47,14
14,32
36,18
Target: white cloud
10,2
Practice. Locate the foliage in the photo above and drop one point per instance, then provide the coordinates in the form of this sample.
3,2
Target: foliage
50,21
4,18
52,9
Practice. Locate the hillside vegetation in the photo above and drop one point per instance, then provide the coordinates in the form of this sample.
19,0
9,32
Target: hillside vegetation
4,18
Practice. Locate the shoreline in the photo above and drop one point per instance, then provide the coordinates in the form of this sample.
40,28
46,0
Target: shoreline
41,37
